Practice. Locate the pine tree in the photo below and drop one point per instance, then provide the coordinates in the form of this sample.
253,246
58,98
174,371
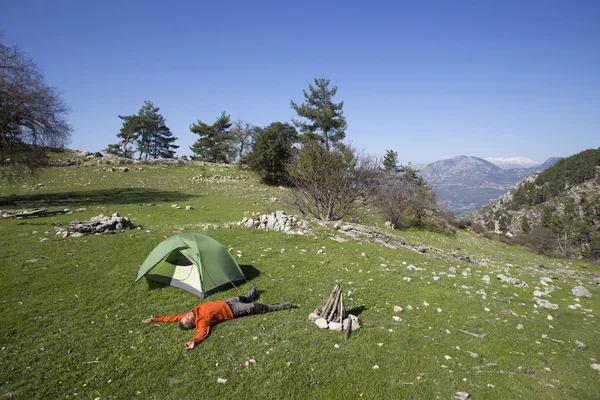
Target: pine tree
148,131
327,123
390,161
214,144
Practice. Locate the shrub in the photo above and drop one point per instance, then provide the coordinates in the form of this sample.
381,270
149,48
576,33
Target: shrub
402,199
479,228
332,184
271,151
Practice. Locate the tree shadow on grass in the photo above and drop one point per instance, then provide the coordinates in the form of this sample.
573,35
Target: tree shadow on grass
86,198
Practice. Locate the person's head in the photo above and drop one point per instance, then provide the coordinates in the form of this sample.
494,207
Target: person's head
187,322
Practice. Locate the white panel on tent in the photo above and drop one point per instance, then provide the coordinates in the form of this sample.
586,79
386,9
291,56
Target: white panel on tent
188,274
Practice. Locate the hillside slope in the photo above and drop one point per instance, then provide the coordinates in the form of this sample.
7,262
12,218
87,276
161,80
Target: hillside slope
560,206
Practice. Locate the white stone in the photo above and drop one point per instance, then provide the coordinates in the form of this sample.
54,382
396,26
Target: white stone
506,279
396,318
580,291
537,293
520,326
549,318
322,323
546,304
397,309
580,344
545,281
485,278
596,367
313,317
413,268
335,326
354,322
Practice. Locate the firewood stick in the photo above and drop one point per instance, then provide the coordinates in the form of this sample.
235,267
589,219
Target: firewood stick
335,305
341,310
348,328
330,304
325,308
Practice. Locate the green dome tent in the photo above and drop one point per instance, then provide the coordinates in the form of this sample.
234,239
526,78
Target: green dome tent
191,261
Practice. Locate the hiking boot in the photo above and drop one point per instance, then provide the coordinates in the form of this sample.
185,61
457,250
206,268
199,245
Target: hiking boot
252,293
286,305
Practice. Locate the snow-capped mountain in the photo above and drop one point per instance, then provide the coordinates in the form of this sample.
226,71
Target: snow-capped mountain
513,162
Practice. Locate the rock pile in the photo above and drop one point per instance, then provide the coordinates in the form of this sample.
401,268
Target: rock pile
277,221
219,178
98,225
120,169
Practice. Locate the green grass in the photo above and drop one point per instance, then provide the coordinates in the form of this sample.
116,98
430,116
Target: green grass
71,313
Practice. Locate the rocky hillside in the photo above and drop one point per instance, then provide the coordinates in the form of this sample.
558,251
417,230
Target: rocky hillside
560,206
465,184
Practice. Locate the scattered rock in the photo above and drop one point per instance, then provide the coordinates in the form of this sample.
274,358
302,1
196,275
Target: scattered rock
513,281
580,291
277,221
545,281
485,279
546,304
580,344
596,367
97,225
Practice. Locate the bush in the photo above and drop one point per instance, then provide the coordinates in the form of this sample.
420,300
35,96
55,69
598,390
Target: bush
479,228
332,184
405,203
271,151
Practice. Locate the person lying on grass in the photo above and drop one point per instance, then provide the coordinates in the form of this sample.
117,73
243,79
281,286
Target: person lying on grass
204,316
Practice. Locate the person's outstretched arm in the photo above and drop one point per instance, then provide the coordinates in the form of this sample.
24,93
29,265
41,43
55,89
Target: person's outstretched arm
203,331
164,318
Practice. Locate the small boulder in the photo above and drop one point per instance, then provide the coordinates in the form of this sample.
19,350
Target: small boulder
546,304
335,326
322,323
580,291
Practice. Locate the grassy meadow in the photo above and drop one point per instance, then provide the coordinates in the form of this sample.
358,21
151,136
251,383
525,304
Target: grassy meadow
70,312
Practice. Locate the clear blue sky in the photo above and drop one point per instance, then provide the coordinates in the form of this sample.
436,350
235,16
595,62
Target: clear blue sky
429,79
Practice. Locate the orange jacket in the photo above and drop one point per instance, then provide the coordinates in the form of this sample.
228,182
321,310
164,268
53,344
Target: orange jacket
207,315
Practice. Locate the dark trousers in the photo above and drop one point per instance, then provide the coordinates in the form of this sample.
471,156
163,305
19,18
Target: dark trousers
242,306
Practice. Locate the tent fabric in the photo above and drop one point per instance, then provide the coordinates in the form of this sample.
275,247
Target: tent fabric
191,261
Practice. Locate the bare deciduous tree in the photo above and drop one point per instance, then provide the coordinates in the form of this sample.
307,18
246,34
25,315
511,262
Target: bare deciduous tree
32,114
404,201
330,185
241,139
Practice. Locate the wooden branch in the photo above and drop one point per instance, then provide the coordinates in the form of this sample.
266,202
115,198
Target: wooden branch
334,308
502,300
325,308
482,336
348,329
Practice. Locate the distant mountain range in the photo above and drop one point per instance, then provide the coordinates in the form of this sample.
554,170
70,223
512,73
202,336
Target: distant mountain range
465,184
